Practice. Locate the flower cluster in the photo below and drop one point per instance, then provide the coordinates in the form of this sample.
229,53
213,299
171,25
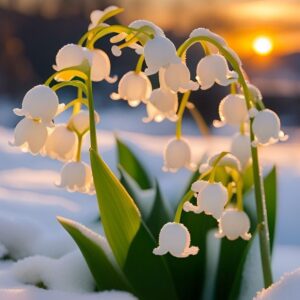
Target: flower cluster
78,65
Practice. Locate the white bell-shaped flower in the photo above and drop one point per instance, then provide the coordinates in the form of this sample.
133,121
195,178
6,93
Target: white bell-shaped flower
162,104
266,127
159,53
96,15
77,177
175,239
81,121
134,88
71,55
61,143
177,77
100,68
177,155
211,199
255,92
234,224
241,148
30,136
232,110
40,103
214,68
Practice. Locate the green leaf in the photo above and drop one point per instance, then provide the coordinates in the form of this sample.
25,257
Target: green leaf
94,249
160,214
120,217
129,238
270,185
142,198
132,165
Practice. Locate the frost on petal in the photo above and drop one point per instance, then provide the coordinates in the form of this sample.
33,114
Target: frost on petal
70,55
266,127
159,52
133,87
207,33
41,103
162,104
241,148
61,143
81,121
100,69
233,109
77,177
175,239
142,23
177,155
30,136
177,78
228,160
213,68
234,224
211,199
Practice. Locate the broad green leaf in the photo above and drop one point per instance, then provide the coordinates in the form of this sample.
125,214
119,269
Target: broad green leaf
129,238
120,217
132,165
148,273
270,185
144,199
160,214
94,249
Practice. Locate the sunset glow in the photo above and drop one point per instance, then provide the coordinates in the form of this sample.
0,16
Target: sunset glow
262,45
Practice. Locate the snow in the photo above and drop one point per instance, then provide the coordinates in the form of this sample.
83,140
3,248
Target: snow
30,202
286,288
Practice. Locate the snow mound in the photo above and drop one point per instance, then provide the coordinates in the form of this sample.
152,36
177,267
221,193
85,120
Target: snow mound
288,287
69,273
39,294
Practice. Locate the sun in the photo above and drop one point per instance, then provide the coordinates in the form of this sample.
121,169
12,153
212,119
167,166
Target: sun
262,45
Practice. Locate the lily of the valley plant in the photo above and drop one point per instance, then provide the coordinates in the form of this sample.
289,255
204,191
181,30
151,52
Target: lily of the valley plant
153,253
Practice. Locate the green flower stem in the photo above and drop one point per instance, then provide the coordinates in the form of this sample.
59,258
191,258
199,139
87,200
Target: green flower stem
182,106
78,154
77,73
76,83
77,106
261,211
139,64
93,132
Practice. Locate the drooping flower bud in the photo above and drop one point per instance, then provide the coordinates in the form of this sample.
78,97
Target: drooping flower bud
213,68
133,87
162,104
207,33
159,53
100,68
177,155
30,136
175,239
61,143
81,121
137,24
211,199
96,15
241,148
40,103
266,127
177,77
234,224
77,177
232,110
